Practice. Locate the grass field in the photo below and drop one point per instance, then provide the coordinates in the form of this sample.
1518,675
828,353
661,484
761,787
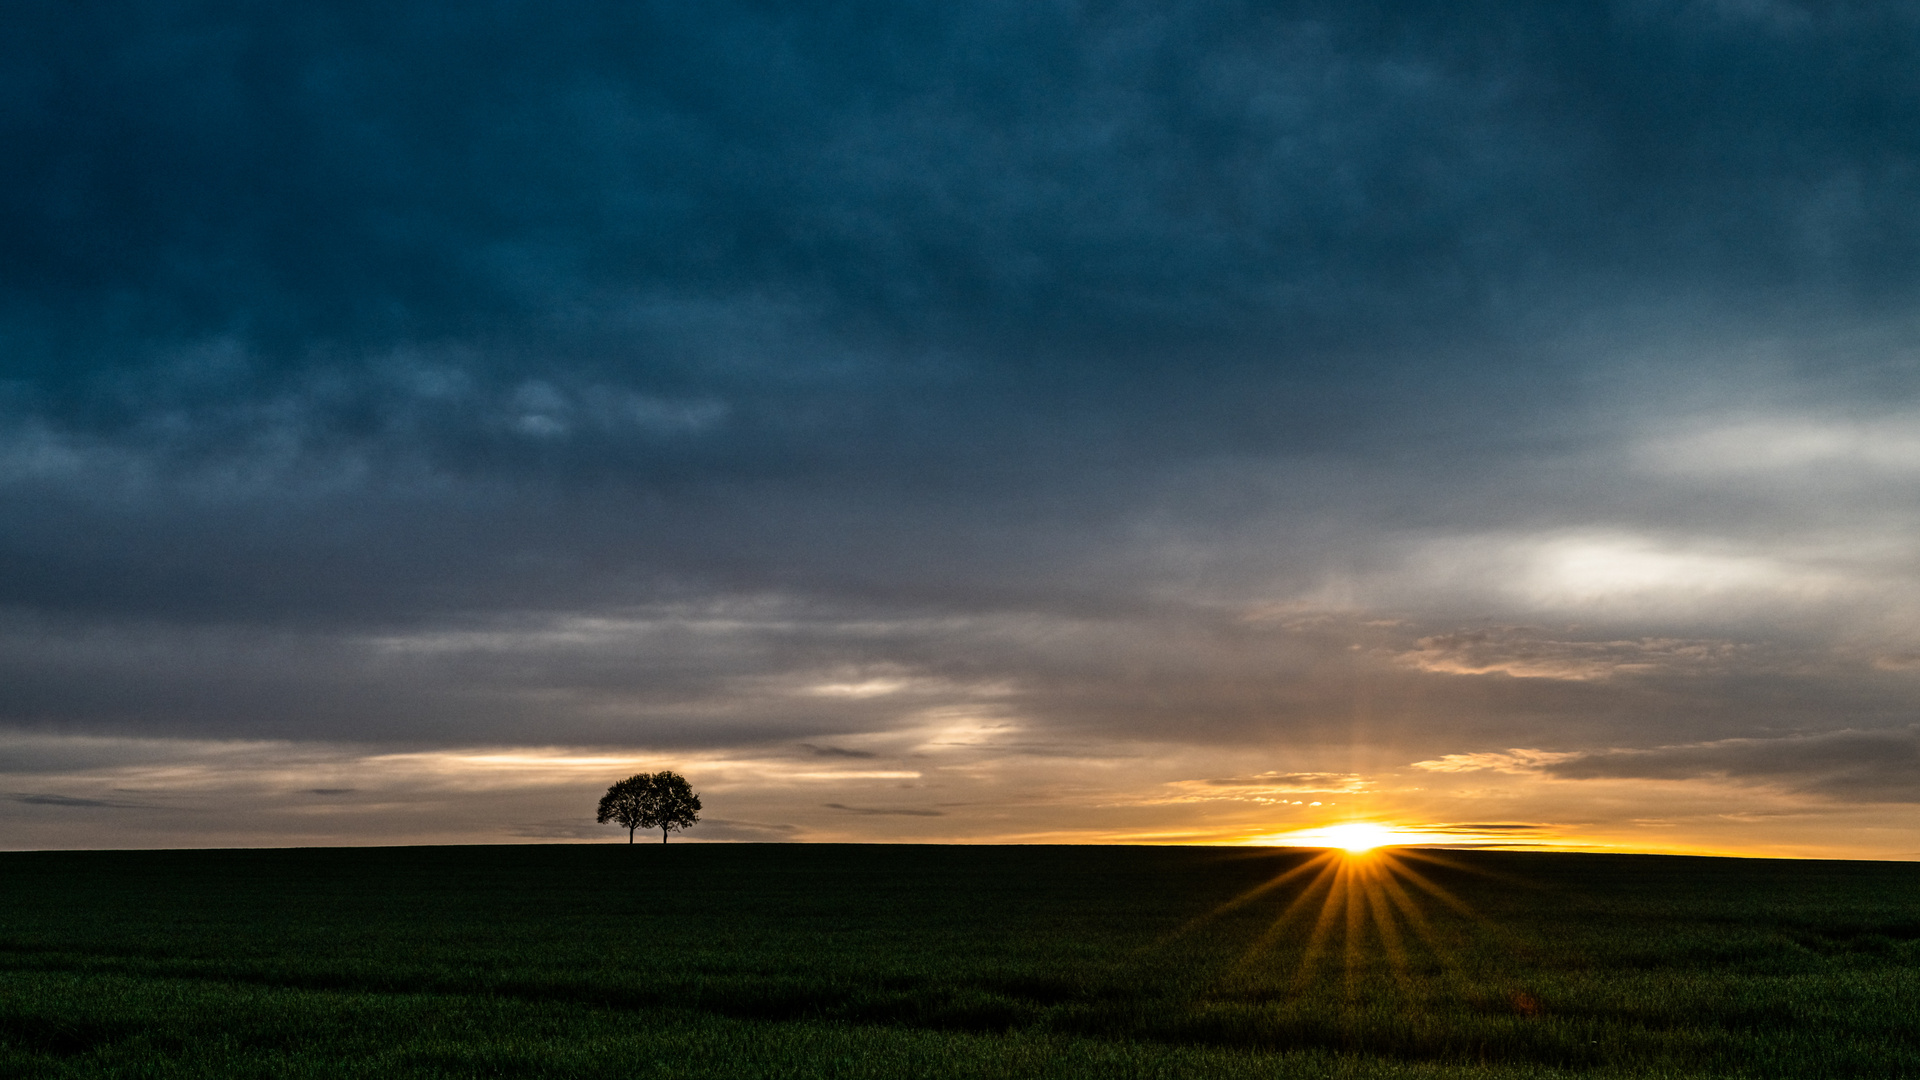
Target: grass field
830,961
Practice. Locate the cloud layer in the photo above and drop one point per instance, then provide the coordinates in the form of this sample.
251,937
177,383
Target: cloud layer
1062,408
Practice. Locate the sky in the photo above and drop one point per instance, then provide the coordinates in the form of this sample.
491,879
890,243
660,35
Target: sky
1014,421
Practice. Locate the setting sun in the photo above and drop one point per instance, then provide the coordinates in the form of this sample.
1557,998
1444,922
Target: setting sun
1357,837
1353,837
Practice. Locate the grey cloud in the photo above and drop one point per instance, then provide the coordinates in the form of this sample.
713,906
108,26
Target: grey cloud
869,811
1291,782
1530,652
835,751
74,801
1857,766
566,830
748,831
739,674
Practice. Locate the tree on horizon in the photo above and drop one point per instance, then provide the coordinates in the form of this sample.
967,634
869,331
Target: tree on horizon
662,800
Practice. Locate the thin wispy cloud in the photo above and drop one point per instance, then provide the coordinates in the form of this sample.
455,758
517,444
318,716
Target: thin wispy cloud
77,802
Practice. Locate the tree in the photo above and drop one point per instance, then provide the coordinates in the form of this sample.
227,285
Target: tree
661,800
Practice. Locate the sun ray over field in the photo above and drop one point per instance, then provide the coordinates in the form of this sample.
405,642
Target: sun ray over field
1357,911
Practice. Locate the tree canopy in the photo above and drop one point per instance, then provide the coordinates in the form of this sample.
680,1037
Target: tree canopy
662,800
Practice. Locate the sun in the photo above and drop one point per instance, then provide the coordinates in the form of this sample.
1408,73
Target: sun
1351,837
1358,837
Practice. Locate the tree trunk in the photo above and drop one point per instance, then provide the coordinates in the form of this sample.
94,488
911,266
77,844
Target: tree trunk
663,834
629,834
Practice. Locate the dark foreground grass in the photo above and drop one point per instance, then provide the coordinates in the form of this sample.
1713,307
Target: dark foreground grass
827,961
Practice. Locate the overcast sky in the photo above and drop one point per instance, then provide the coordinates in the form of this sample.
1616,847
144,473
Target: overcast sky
986,421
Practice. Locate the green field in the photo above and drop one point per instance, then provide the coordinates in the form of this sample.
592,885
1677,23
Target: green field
874,961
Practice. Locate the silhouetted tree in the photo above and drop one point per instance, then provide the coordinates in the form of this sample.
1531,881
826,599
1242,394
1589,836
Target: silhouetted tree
661,800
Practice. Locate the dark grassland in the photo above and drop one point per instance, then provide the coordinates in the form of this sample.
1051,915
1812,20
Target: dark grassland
804,961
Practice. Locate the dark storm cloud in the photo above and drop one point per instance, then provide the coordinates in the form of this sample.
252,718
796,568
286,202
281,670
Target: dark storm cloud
743,374
370,173
880,200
